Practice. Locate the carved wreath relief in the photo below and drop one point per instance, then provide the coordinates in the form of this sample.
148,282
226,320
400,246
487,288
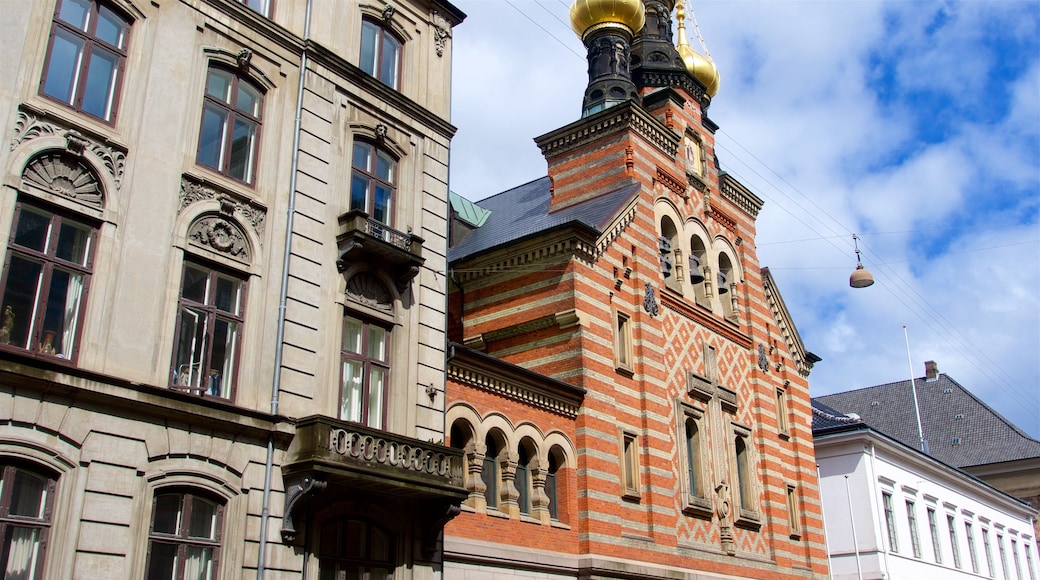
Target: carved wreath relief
221,236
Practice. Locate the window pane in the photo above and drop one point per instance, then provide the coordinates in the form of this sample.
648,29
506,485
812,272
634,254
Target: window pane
248,100
380,546
350,406
218,85
352,335
388,61
64,66
24,553
167,517
33,229
243,141
222,363
24,280
358,192
369,33
258,5
110,28
381,204
75,12
229,294
384,167
61,317
377,377
28,494
198,563
211,140
162,560
362,156
203,519
100,83
196,284
376,343
73,242
190,343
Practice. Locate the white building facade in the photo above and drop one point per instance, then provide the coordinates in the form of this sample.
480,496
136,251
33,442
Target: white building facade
891,511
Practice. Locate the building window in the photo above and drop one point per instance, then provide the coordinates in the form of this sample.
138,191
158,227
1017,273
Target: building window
522,481
209,324
366,372
911,518
933,527
988,549
26,502
781,412
951,523
230,128
1029,561
551,486
668,248
1003,555
261,6
47,273
184,537
969,533
793,515
380,54
372,182
693,458
1014,554
85,57
743,473
489,472
630,465
352,548
890,521
622,341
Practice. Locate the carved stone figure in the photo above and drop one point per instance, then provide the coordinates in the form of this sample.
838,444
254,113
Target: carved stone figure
7,326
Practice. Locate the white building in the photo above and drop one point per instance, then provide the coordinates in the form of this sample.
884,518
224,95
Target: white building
891,511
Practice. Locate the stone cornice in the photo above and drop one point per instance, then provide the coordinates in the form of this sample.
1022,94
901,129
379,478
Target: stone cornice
627,116
485,372
571,241
740,196
785,325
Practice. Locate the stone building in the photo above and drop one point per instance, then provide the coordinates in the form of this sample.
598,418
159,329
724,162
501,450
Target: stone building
222,324
627,386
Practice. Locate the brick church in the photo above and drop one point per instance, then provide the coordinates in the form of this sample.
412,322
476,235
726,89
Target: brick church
625,382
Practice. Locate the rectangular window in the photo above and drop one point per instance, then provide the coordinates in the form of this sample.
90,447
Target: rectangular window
988,549
951,523
366,370
261,6
933,527
230,127
890,521
1029,561
781,411
793,515
46,276
380,54
1014,555
911,518
630,465
1003,555
972,553
622,341
85,57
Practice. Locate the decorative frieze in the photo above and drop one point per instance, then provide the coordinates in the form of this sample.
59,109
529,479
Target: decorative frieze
29,127
192,192
512,390
441,32
740,195
617,119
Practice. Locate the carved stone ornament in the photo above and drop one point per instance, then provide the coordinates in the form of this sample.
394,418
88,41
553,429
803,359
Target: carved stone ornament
441,32
221,236
29,127
244,57
367,290
192,192
650,301
65,175
381,131
295,492
722,510
763,361
388,12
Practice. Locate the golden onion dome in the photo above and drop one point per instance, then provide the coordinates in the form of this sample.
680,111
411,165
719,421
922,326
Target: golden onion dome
701,67
585,14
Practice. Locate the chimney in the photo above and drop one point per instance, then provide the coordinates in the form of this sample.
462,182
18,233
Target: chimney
931,371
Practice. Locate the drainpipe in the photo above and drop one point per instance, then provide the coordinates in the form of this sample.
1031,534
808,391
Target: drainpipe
855,538
265,514
823,516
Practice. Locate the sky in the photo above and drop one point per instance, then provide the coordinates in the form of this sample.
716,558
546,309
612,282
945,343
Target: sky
914,124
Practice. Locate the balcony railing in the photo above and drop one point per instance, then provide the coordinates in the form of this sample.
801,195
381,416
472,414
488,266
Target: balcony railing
363,239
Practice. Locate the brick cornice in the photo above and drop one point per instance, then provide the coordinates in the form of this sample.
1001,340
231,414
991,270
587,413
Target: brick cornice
785,325
628,116
740,196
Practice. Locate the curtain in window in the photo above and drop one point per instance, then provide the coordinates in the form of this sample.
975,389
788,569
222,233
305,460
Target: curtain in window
198,564
72,298
21,561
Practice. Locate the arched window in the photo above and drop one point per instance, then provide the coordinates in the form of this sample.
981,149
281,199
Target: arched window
365,360
50,259
26,502
697,267
725,279
490,471
523,481
553,484
230,128
185,535
210,315
85,57
372,182
693,457
355,548
670,253
380,54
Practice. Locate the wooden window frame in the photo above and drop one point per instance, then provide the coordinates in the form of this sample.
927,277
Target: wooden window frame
232,113
794,514
628,460
8,472
933,527
696,495
369,177
90,44
890,521
48,261
265,8
368,364
973,554
623,341
915,535
363,563
181,538
951,525
783,413
381,33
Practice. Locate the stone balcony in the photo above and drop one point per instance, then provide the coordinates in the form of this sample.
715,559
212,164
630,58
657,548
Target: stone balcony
363,239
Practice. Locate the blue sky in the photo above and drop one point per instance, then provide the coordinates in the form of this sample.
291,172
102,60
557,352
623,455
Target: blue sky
914,123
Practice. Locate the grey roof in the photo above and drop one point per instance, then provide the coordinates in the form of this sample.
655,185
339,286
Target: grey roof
828,420
524,211
960,429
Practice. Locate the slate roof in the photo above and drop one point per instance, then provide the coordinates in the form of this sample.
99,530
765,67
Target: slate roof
960,429
523,211
828,420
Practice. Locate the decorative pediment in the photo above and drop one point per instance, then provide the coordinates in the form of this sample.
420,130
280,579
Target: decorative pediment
66,175
193,192
29,127
219,235
365,289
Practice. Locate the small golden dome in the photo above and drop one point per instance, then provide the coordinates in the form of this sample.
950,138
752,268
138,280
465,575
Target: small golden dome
701,67
588,13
